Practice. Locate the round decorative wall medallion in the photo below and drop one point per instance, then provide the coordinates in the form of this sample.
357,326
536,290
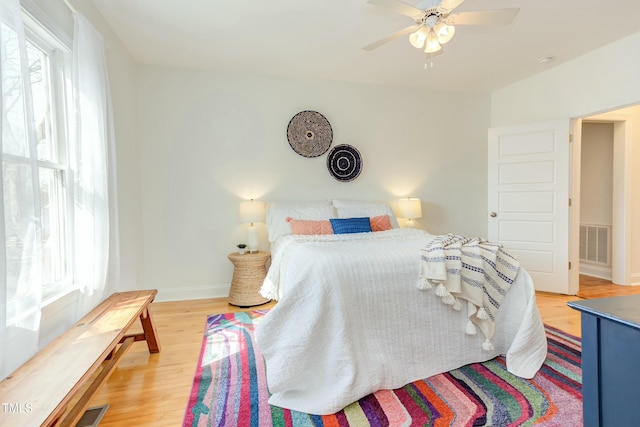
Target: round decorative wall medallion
309,133
344,162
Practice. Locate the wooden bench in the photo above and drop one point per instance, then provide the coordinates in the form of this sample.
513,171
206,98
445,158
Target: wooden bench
67,371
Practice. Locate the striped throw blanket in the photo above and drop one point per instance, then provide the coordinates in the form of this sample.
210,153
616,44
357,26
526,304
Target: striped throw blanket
471,270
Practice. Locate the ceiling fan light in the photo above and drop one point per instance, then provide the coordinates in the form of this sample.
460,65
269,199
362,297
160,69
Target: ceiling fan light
432,44
433,48
418,38
445,32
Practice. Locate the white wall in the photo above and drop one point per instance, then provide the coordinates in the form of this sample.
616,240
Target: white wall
596,178
603,80
209,140
633,121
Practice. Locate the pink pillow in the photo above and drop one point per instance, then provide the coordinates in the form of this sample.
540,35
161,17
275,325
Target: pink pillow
380,223
307,226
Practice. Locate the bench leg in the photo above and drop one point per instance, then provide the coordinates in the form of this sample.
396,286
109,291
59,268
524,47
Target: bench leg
150,333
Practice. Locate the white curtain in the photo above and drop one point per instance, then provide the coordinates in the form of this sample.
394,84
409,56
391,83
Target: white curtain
93,149
20,223
91,146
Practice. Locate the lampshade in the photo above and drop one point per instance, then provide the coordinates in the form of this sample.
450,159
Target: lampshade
445,32
432,44
410,208
252,211
418,37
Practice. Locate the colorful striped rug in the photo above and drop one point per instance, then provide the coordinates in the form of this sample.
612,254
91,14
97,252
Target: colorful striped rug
229,389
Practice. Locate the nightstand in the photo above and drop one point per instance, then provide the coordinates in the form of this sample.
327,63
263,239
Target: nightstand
248,274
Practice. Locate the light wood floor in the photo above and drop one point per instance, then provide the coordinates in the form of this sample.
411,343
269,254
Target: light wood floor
152,390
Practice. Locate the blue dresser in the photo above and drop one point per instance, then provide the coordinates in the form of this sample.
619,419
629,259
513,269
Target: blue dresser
610,360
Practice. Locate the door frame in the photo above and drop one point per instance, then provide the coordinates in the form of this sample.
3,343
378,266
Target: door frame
575,162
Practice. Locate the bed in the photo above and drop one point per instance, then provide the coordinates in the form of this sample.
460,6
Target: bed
350,319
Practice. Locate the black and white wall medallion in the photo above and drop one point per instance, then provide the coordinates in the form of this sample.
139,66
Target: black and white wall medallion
309,134
344,162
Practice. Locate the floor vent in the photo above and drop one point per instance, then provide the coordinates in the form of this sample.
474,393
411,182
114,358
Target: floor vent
93,416
595,244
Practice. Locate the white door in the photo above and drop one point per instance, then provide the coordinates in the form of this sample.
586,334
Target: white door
529,198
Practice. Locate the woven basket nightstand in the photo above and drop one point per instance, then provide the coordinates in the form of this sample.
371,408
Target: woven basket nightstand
248,275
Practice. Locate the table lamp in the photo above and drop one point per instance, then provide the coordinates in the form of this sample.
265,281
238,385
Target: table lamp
410,208
252,211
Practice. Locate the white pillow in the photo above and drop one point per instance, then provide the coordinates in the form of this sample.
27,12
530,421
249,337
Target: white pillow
355,208
278,212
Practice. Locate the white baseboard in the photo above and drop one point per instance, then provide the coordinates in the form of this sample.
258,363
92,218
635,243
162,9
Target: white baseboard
596,271
193,292
605,273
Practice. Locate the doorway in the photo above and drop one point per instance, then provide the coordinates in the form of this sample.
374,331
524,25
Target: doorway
596,199
607,229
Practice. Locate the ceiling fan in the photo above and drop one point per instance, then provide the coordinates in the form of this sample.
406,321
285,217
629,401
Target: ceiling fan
435,22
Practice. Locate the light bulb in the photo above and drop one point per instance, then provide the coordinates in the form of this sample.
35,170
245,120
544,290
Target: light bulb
432,44
418,37
445,32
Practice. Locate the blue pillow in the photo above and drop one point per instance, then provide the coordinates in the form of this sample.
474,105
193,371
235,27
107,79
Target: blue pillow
350,225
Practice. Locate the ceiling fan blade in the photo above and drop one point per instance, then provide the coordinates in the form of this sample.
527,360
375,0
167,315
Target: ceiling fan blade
398,6
484,17
391,37
447,6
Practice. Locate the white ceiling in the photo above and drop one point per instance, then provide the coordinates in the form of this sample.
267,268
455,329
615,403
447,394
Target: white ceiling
324,38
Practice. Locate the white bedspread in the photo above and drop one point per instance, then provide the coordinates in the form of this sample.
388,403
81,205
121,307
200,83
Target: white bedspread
350,321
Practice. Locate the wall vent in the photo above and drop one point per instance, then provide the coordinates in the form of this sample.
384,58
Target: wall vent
595,244
93,416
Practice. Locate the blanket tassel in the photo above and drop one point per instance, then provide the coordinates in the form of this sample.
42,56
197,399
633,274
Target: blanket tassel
449,299
471,328
482,314
442,291
423,284
487,345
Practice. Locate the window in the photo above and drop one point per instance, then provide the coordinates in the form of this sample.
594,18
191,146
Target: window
47,84
48,59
